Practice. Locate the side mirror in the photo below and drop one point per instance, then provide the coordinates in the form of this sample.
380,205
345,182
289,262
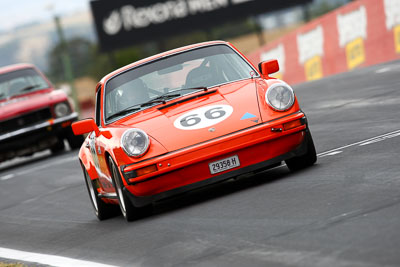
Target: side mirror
268,67
85,126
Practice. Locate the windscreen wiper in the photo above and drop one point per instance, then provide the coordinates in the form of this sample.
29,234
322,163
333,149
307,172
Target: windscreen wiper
164,97
160,99
124,111
28,88
195,88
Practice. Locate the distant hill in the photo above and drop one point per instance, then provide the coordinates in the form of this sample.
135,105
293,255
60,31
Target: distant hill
32,43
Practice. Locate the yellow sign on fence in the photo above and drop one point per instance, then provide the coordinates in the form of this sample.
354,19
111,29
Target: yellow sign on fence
355,53
313,68
396,31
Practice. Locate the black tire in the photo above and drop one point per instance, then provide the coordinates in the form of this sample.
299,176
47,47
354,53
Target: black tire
306,160
74,141
128,210
58,147
102,210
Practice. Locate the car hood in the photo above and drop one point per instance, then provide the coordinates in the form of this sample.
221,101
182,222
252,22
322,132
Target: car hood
212,114
23,104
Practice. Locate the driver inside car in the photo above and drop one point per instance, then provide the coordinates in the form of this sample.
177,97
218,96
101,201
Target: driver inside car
133,93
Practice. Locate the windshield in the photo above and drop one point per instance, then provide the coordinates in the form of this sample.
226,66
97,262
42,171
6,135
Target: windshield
21,82
202,67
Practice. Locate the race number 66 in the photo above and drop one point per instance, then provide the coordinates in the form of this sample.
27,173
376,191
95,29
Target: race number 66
203,117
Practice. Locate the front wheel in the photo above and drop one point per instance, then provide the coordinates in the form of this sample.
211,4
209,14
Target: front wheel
306,160
102,210
129,211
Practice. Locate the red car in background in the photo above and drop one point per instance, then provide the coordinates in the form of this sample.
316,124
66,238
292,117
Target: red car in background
33,116
185,119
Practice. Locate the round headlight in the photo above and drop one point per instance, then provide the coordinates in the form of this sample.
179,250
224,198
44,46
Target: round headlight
61,109
135,142
280,96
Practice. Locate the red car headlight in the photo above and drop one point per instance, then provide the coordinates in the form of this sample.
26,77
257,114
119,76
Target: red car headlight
135,142
280,96
62,109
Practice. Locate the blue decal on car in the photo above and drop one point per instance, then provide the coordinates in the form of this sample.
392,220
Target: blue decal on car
247,116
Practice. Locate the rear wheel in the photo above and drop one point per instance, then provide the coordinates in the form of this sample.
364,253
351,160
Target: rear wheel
102,210
129,211
306,160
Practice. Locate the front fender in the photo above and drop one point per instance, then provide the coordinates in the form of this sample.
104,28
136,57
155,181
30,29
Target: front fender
266,111
86,160
112,147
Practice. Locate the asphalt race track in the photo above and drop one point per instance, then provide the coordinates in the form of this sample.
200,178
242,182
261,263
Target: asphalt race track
344,211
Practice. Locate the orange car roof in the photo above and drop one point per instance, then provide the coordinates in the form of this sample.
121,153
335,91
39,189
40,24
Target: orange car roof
160,55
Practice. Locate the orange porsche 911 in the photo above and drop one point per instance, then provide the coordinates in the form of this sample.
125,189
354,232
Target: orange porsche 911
185,119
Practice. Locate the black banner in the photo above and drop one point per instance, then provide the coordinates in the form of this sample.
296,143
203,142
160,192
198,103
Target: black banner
122,23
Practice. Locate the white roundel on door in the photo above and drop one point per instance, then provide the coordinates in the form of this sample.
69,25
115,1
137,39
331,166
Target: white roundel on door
203,117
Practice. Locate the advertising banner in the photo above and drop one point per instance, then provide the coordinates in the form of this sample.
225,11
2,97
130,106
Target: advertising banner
361,33
122,23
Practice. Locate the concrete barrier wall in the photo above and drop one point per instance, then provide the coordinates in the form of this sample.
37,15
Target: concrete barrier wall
362,33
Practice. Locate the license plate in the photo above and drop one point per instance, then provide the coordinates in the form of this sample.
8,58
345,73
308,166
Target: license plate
224,164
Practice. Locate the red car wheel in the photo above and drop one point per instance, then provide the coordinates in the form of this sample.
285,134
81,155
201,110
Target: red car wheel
129,211
102,210
306,160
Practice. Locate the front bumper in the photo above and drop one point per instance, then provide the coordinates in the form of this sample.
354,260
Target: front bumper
40,126
145,200
258,148
34,138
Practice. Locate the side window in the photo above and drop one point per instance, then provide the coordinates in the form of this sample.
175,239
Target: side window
97,107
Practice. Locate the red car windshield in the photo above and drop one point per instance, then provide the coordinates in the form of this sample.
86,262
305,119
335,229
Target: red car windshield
202,67
21,82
